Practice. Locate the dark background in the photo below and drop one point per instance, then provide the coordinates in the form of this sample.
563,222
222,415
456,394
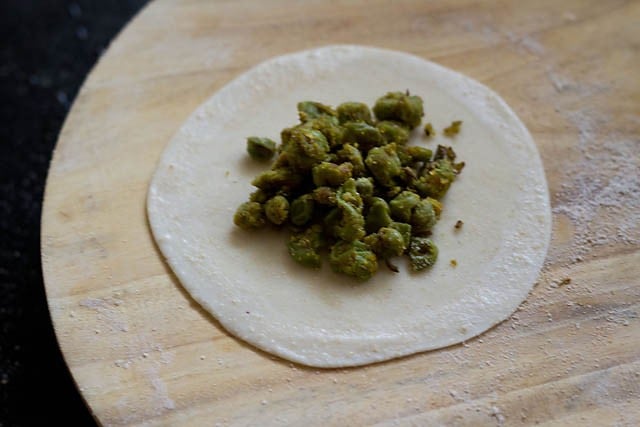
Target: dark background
47,48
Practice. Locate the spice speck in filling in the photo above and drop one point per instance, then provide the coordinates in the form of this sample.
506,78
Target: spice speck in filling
429,131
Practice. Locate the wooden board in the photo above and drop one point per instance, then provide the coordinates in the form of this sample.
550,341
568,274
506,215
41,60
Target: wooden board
142,352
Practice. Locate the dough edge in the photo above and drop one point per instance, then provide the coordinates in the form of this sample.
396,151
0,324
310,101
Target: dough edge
337,353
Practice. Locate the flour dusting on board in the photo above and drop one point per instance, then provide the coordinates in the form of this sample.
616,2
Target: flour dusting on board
160,389
138,351
484,26
105,307
600,193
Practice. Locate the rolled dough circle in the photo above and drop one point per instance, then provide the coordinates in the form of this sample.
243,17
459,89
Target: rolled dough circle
249,283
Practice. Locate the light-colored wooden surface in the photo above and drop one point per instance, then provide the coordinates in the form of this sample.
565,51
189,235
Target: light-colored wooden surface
142,352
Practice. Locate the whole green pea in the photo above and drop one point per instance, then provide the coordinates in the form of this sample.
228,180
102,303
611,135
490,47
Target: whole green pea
308,110
404,229
402,205
349,203
301,209
436,179
423,217
403,154
354,259
348,192
277,179
350,154
259,196
331,174
378,215
325,196
285,137
362,134
305,148
329,127
393,191
393,132
304,247
354,112
277,209
400,107
249,215
419,154
351,225
437,206
384,164
391,242
364,187
423,253
373,241
331,223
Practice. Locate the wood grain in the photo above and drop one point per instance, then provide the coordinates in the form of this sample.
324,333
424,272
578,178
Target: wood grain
142,352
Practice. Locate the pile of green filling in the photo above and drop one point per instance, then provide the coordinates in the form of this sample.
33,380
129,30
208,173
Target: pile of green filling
349,185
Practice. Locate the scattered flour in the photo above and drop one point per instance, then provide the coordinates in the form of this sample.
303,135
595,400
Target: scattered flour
496,413
560,83
490,32
107,309
138,352
600,193
526,42
160,393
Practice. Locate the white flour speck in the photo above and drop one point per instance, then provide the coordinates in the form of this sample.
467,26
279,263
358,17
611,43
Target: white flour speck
160,391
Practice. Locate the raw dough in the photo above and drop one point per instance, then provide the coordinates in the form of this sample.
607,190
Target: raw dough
250,284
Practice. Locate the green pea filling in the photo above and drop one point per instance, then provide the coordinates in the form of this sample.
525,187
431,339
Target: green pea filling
348,185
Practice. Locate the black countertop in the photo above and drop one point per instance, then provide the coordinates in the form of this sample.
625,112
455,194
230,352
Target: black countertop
47,48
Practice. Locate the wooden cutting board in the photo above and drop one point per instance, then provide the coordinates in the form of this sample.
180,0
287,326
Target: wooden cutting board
142,352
